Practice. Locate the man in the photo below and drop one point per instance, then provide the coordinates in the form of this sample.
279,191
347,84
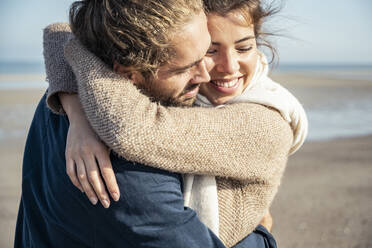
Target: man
150,213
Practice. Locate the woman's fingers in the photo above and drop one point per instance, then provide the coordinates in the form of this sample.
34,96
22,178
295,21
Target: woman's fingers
108,174
82,145
82,176
71,172
95,180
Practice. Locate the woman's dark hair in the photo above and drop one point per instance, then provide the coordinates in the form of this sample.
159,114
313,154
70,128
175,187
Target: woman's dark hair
254,11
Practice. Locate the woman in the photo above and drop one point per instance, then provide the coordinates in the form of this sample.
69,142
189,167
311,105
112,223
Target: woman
231,76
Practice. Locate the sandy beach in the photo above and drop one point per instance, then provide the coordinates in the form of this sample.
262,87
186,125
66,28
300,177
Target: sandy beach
326,195
16,109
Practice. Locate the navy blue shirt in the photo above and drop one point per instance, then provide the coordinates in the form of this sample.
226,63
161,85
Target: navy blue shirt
150,212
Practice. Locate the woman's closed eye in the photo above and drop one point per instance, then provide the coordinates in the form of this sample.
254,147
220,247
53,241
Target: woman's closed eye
244,49
211,51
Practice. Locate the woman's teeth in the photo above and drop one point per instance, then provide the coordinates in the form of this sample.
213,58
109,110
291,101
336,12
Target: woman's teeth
224,83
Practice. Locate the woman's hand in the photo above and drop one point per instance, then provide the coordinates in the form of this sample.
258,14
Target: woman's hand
267,221
87,158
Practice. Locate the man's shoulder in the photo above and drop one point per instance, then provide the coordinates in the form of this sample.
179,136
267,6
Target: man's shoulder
152,194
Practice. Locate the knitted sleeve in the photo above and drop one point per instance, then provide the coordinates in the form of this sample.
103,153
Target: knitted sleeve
271,94
239,141
62,79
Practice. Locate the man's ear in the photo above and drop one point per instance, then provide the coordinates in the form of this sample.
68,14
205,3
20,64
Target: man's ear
128,72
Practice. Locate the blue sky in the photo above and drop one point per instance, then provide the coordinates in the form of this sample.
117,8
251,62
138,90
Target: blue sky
331,31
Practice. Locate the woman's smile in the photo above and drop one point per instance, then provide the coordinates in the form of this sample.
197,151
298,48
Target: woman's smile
227,86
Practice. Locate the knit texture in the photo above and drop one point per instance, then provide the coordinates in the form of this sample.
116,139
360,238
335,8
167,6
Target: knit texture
247,143
55,37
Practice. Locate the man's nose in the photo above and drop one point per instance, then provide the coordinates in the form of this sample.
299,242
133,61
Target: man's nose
202,75
228,63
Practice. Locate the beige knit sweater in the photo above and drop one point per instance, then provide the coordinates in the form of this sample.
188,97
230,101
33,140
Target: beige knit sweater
244,145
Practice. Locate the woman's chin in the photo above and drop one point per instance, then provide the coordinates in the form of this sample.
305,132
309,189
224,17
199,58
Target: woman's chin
220,100
218,95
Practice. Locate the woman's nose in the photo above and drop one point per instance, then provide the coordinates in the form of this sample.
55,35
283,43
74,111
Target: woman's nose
228,63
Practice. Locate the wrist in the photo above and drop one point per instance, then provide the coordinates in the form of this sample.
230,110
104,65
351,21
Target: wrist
72,106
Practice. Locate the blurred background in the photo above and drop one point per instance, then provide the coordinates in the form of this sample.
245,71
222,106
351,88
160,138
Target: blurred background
325,60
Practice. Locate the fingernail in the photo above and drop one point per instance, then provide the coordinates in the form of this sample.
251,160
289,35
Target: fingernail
105,203
115,196
93,200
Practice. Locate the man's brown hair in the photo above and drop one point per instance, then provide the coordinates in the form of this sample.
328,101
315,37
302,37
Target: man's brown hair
133,33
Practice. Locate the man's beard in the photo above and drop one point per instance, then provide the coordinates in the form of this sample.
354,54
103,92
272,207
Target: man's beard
178,101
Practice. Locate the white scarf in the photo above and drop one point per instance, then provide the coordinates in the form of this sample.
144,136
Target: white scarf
200,191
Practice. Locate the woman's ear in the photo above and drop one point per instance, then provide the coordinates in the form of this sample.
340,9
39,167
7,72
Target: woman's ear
128,72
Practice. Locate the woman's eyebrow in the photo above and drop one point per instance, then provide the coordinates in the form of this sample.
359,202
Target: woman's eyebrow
244,39
214,43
